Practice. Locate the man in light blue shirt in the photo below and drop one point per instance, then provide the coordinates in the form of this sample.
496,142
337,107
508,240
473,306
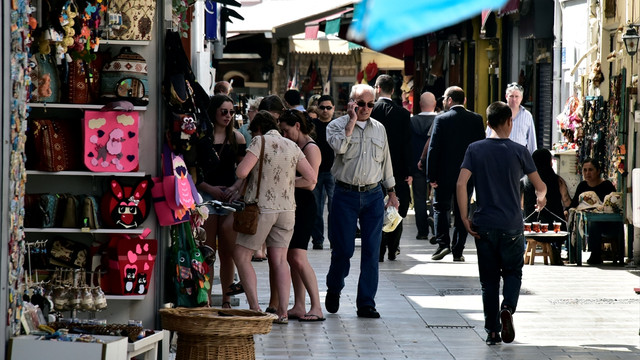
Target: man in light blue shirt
524,132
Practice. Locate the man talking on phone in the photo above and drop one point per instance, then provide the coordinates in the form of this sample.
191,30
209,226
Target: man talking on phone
362,166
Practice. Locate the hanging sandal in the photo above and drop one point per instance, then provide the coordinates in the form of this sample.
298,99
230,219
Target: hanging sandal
235,289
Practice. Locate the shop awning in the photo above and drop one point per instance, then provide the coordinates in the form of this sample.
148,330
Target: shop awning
324,44
283,18
384,62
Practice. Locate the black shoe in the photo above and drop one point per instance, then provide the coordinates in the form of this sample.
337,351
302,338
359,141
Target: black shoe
317,247
433,240
508,332
392,257
440,253
493,338
368,312
459,258
422,237
332,302
594,260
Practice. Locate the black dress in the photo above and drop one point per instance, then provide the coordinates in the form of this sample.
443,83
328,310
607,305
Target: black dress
305,216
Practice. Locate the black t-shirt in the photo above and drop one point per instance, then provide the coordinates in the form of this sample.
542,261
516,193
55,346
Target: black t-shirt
603,189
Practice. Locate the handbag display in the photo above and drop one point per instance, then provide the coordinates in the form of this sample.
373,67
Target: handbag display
246,221
45,79
111,140
129,20
52,145
164,193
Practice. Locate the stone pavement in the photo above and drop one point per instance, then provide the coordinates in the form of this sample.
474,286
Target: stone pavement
433,310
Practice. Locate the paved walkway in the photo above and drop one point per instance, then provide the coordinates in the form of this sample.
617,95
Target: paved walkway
433,310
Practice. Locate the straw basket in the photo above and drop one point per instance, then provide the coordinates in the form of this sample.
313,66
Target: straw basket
210,333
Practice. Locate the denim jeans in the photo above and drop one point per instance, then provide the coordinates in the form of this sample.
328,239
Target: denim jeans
500,254
324,187
349,206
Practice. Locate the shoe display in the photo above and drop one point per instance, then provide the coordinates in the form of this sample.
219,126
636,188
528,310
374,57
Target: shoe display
368,312
493,338
332,302
317,247
459,258
440,253
508,332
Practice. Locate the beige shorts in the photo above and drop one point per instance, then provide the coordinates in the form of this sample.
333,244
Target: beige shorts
274,227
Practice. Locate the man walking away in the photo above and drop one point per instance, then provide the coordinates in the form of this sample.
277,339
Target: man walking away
453,131
326,183
497,164
397,123
420,126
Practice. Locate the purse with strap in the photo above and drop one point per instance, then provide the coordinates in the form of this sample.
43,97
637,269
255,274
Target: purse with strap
246,221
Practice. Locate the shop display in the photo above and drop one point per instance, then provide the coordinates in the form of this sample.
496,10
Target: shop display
111,140
125,78
131,261
126,205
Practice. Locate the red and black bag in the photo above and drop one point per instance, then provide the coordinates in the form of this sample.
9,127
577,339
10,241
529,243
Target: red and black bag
124,205
54,145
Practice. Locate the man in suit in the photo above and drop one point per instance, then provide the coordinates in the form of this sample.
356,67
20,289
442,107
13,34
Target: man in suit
420,133
453,131
397,123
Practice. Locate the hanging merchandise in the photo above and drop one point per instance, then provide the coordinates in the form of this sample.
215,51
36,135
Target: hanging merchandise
111,141
131,261
44,77
190,281
128,20
52,145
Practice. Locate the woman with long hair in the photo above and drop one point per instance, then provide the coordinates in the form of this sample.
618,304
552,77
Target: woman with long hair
219,185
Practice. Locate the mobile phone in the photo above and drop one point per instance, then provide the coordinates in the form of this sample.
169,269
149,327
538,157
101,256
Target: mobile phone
355,109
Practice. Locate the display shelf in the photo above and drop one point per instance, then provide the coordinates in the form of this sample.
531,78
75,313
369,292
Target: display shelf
125,42
124,297
83,231
86,173
77,106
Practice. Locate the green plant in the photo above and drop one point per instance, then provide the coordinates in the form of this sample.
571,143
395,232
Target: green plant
180,17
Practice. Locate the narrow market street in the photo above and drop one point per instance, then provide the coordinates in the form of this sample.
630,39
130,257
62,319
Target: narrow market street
433,310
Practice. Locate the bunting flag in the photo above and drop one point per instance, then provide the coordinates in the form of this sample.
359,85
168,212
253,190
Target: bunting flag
311,32
326,90
332,27
385,23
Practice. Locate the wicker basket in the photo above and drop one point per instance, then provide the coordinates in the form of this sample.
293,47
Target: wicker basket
210,333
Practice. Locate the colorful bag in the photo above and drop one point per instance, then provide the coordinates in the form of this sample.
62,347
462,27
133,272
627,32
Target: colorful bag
84,80
52,145
126,206
167,202
131,261
125,78
44,78
111,141
190,280
129,20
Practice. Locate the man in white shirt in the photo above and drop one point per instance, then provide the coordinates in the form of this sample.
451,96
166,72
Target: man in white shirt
523,132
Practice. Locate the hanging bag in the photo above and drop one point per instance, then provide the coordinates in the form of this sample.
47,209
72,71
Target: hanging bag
164,204
246,221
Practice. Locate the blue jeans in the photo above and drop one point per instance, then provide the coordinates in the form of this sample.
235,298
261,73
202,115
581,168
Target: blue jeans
500,254
349,206
324,187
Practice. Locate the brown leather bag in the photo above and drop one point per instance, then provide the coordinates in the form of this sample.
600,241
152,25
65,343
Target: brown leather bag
54,145
246,221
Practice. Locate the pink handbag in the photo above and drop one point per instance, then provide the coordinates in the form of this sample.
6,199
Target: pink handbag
168,210
111,141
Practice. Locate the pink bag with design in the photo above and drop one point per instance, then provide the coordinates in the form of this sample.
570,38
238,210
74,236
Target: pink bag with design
111,141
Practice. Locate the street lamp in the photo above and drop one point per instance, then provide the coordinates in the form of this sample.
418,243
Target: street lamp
631,38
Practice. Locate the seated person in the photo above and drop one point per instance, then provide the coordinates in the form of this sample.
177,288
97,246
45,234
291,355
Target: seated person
557,199
593,182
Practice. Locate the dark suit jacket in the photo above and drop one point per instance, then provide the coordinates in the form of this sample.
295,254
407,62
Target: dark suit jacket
396,121
453,131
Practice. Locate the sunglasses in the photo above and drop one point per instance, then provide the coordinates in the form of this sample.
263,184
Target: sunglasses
225,112
362,104
325,107
515,85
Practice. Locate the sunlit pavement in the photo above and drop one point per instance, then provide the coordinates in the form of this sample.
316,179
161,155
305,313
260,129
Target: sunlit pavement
433,310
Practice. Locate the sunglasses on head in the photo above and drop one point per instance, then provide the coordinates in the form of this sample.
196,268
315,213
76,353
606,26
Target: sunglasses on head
515,85
329,107
226,111
362,104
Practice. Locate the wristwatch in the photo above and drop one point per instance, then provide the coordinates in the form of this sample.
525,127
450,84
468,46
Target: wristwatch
391,189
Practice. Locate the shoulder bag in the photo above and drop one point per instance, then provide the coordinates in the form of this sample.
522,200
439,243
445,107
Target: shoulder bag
246,221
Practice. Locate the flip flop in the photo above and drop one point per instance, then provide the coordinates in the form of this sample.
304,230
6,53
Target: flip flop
312,318
256,259
281,320
236,288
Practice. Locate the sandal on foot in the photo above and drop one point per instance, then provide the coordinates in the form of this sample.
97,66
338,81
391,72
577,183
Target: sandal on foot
271,310
281,320
311,318
235,289
226,305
